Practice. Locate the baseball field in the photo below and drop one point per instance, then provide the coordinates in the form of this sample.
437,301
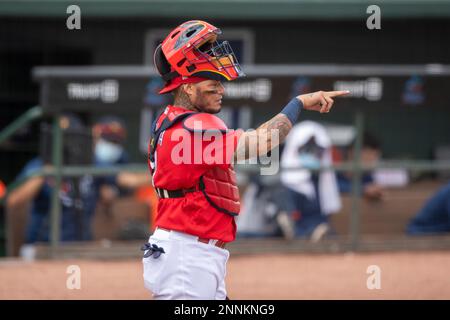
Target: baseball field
403,275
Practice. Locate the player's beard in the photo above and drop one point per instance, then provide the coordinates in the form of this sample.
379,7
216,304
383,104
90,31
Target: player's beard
204,104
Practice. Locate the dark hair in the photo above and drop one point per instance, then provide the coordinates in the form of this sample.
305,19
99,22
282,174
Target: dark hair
111,128
369,141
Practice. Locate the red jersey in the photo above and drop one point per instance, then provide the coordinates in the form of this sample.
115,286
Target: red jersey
180,159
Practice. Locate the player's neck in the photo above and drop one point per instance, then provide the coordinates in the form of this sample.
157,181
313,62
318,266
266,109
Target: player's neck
183,101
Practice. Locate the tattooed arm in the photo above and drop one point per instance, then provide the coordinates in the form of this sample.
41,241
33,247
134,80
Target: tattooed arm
266,137
273,132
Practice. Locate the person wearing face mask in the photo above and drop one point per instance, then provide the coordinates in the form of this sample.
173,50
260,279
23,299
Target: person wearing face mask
109,135
108,152
311,195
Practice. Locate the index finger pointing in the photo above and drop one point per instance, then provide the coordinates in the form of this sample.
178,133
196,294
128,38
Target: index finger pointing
338,93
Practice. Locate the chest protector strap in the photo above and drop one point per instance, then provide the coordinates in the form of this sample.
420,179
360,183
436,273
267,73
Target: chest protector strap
156,132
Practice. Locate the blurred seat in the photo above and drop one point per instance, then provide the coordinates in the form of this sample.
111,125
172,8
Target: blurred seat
125,219
16,224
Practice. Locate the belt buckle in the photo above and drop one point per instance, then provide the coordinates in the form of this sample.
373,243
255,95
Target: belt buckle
203,240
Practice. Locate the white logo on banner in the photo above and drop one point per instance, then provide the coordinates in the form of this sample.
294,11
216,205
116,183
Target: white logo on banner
259,90
107,91
371,88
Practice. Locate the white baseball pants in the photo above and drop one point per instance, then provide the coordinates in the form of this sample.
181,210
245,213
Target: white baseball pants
188,269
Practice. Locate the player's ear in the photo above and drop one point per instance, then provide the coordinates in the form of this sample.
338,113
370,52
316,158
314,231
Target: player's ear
188,88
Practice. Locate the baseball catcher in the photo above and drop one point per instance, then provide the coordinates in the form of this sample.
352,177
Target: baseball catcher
191,156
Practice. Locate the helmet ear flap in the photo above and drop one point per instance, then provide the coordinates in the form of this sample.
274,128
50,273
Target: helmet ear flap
160,61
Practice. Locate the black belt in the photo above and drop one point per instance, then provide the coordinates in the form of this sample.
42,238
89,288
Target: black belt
166,194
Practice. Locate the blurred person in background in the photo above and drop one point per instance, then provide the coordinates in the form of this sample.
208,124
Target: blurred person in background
310,195
262,213
2,189
434,217
370,155
78,196
109,135
38,189
2,195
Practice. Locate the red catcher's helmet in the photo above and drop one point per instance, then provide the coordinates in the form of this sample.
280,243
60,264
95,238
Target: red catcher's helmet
192,49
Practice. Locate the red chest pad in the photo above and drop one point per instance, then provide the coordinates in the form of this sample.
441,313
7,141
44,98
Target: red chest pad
201,122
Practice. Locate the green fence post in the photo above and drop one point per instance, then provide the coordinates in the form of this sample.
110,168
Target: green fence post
20,122
57,154
356,182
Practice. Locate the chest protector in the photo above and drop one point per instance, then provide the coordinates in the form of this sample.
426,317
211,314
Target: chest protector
217,185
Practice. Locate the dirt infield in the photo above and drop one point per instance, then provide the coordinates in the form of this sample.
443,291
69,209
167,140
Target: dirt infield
404,275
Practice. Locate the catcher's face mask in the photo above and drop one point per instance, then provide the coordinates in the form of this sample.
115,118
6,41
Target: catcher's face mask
216,58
